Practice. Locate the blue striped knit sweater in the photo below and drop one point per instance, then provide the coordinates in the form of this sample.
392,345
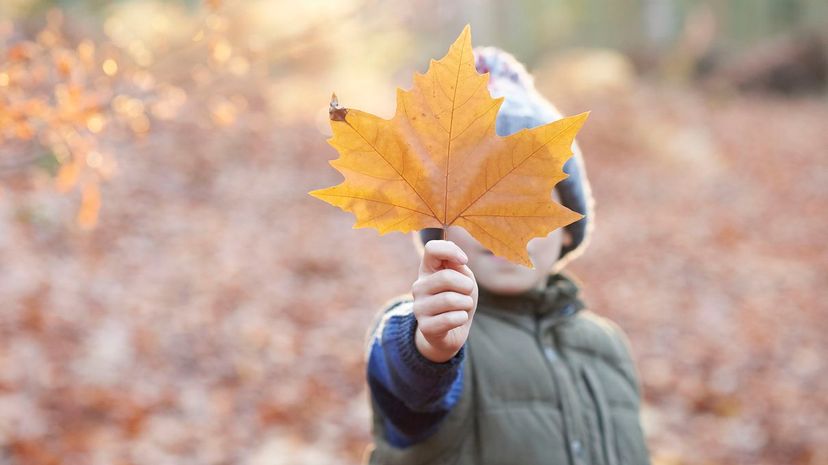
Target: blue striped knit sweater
413,393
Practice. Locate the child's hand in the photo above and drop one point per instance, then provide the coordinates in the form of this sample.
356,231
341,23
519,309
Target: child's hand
445,298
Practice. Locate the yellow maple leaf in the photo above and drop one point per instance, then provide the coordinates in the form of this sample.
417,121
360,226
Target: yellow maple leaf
438,162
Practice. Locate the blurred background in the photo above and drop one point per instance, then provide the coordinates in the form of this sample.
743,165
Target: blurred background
170,294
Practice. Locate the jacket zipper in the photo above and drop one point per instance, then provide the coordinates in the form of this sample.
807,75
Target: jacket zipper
563,387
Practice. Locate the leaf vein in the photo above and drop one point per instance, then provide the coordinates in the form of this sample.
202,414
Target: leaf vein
514,168
377,201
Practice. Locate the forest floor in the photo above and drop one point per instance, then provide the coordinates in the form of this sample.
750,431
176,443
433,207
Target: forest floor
217,313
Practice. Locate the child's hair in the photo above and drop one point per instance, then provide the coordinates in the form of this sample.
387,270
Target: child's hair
523,107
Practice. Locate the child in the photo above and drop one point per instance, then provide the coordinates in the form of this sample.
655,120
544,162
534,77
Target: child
488,362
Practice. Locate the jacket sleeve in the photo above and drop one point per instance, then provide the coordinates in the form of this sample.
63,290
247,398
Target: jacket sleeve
624,349
413,394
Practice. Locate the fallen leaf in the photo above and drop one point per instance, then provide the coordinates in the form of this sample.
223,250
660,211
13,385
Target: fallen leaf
438,162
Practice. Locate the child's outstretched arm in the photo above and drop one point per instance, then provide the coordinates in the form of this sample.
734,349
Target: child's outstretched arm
416,355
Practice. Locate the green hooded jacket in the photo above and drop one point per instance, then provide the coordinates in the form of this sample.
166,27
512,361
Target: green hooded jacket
545,382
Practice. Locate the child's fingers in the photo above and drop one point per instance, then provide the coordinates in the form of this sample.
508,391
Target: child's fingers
437,251
449,279
440,303
464,269
441,324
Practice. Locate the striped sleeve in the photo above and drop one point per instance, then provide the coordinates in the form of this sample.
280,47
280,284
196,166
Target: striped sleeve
412,393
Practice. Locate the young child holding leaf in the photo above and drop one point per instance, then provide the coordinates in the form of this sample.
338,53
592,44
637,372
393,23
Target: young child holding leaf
491,362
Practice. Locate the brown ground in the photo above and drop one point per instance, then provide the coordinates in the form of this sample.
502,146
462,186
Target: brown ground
217,313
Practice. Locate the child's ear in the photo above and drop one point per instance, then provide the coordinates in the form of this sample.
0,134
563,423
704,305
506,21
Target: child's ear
567,238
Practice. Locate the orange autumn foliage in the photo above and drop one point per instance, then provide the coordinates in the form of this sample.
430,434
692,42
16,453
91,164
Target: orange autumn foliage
438,162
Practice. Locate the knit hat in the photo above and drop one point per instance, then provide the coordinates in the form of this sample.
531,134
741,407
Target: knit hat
523,108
